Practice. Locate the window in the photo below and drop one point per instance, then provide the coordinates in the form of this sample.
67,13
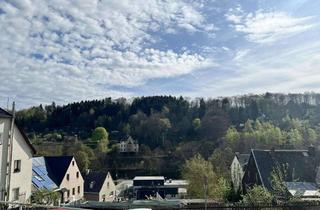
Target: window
73,191
68,193
92,184
77,174
107,184
73,162
17,166
68,177
78,189
15,193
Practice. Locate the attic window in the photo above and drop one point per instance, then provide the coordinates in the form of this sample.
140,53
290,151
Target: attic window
73,163
92,184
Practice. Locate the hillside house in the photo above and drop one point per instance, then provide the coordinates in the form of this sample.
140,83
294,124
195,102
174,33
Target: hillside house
15,161
65,174
128,146
238,167
299,165
99,186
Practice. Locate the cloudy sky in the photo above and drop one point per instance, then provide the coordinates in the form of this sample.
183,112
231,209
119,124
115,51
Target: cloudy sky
68,50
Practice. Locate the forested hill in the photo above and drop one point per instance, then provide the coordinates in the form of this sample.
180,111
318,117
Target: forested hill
158,120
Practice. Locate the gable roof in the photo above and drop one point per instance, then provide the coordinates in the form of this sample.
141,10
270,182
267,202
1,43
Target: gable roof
40,176
300,166
93,181
57,167
6,114
243,159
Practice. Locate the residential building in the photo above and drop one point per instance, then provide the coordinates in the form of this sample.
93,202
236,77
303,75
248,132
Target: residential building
15,161
157,187
99,186
128,146
64,172
298,166
238,167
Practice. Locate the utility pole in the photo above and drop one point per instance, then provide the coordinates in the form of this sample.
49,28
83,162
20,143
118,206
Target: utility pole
10,149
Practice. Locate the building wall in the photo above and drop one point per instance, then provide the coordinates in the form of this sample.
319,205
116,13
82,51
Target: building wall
236,173
92,196
21,151
72,183
107,192
5,126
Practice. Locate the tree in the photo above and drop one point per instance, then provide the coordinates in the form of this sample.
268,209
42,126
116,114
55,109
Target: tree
197,170
99,134
257,195
82,160
46,197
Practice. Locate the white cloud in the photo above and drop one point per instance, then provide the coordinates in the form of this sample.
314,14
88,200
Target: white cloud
267,27
61,50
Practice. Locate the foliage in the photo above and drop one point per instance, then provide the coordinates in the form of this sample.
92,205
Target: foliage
46,197
98,135
257,195
82,160
277,180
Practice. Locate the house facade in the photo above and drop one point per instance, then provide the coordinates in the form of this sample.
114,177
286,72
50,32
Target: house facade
64,172
15,161
99,186
128,146
237,169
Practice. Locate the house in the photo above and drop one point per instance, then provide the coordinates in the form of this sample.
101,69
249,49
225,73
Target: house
65,174
238,167
145,187
128,146
299,168
99,186
15,161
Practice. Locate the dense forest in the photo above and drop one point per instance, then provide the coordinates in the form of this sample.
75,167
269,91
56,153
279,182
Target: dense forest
171,130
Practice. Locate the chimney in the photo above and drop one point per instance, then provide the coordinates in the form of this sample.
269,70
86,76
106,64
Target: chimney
312,151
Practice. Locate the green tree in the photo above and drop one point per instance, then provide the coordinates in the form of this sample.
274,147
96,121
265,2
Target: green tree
257,195
197,170
82,160
46,197
99,134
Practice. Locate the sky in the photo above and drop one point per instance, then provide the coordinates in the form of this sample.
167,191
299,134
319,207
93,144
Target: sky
67,51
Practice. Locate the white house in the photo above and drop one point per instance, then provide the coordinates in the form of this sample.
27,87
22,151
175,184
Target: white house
15,161
99,186
128,146
238,166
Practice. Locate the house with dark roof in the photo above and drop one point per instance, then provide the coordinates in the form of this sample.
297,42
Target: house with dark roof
237,169
99,186
64,172
16,153
299,169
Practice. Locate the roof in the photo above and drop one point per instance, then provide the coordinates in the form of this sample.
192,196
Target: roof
6,114
40,177
95,179
243,159
299,165
148,178
302,189
57,167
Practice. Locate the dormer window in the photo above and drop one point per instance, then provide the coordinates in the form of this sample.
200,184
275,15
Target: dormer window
92,184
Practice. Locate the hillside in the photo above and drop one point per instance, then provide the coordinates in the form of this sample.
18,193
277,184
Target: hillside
176,127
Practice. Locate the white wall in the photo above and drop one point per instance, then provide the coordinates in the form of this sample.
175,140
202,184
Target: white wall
106,189
73,182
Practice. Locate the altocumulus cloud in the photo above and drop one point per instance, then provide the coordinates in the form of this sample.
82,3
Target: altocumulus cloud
72,50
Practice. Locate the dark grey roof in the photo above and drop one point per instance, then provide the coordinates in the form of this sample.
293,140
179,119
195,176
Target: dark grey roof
4,113
57,167
93,181
302,188
243,159
299,164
